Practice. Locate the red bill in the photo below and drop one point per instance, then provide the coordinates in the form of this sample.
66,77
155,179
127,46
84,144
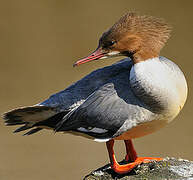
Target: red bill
97,54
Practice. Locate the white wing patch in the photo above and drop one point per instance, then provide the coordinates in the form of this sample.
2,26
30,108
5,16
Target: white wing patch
101,140
94,130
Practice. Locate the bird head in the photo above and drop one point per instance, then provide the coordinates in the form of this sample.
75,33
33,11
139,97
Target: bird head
134,36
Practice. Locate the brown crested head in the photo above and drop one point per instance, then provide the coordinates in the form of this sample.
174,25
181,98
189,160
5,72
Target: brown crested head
135,36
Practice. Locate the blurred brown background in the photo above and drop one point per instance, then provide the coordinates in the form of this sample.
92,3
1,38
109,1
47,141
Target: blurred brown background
39,42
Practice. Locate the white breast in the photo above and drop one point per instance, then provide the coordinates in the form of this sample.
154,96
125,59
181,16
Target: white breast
160,84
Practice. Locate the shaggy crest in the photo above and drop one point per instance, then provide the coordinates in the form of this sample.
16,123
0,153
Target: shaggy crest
149,33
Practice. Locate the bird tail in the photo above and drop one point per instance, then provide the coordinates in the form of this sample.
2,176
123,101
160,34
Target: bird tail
34,118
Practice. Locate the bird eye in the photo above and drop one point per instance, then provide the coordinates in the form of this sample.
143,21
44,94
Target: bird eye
108,44
111,43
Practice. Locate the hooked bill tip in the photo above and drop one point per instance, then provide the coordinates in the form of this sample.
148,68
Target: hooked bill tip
75,64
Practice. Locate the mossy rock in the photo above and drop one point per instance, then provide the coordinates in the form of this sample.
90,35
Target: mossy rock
168,169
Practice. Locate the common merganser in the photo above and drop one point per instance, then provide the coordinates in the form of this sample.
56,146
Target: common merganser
129,99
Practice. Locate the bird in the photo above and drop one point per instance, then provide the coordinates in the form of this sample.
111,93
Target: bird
131,98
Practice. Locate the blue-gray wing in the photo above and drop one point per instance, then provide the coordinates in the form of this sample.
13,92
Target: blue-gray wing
77,93
105,111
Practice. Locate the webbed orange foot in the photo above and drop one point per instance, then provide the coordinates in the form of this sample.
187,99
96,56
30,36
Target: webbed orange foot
123,169
130,157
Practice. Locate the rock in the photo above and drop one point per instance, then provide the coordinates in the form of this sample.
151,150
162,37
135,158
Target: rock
168,169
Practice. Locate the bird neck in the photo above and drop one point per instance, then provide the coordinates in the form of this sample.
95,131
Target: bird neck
144,54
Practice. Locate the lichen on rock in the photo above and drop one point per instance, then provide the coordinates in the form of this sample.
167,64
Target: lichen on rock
168,169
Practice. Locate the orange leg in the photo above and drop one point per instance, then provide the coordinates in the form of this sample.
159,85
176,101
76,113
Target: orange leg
131,156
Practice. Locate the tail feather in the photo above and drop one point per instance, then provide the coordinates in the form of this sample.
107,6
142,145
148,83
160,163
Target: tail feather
22,128
32,131
35,117
13,123
31,114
